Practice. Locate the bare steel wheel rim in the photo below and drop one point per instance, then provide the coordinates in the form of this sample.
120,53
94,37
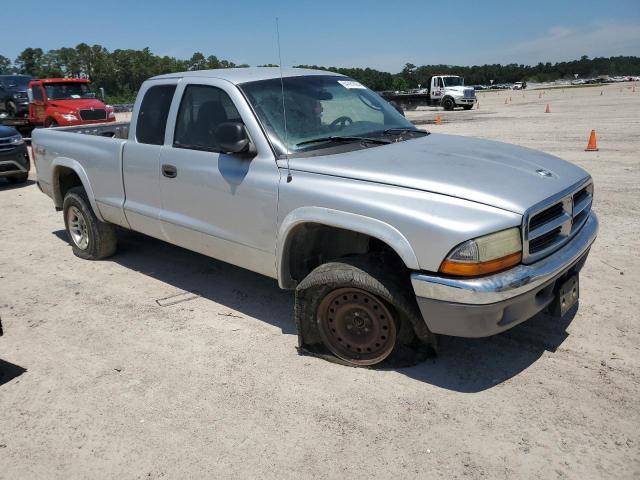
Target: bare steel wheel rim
78,228
356,326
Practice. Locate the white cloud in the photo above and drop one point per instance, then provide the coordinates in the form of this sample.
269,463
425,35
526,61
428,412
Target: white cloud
560,43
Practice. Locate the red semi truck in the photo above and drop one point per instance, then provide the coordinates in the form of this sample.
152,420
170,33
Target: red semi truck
66,101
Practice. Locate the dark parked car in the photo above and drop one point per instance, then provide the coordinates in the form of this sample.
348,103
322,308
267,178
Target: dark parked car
13,94
14,157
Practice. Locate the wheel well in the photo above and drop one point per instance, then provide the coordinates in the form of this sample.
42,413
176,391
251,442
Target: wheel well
65,179
313,244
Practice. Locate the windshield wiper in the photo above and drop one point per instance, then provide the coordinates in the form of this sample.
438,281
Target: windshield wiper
340,138
405,129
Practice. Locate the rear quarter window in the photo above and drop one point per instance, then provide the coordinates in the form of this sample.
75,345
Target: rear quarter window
152,117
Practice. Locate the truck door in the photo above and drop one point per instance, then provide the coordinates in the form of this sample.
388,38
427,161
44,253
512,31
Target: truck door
38,106
224,206
437,88
141,158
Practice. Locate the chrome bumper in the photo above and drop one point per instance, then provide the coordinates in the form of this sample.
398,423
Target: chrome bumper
511,283
480,307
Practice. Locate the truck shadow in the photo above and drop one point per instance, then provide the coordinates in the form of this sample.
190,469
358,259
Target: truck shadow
247,293
5,185
470,365
9,371
463,364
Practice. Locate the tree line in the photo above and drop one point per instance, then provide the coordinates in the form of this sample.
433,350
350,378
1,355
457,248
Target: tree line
121,72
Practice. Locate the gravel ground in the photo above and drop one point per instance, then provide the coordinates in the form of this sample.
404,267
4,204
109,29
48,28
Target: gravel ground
162,363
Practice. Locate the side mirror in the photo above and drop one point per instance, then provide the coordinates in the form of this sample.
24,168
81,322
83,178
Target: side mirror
233,138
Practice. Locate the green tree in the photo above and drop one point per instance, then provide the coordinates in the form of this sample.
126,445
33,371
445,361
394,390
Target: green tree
29,61
5,65
399,83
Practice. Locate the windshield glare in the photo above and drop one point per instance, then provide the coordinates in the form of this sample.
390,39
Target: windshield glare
319,106
68,91
453,81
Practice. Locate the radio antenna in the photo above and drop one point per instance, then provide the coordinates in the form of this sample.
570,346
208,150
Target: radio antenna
284,108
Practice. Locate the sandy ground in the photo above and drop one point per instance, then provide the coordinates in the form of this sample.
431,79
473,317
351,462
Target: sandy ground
161,363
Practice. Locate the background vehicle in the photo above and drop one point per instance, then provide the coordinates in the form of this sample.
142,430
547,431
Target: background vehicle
388,234
447,91
13,95
14,157
519,86
65,102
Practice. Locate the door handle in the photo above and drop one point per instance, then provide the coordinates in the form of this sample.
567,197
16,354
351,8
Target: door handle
169,171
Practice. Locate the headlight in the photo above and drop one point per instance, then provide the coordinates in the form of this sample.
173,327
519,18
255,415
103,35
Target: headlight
69,117
16,140
484,255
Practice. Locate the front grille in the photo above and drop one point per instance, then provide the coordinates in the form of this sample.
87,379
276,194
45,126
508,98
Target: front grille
546,216
5,145
96,114
550,226
469,93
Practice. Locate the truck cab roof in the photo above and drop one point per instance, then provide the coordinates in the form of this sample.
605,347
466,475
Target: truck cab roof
243,75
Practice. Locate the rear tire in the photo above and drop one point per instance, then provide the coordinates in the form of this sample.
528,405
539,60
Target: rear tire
359,310
90,238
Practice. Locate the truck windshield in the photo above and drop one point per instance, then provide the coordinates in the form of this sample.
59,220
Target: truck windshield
68,91
453,81
319,107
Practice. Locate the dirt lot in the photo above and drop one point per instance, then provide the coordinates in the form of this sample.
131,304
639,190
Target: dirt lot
161,363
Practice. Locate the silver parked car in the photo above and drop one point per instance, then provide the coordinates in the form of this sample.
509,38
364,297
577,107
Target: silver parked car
388,234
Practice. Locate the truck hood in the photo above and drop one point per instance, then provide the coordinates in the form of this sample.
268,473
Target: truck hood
458,89
77,104
493,173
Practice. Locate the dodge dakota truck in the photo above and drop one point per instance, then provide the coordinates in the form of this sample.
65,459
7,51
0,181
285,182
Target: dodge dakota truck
389,235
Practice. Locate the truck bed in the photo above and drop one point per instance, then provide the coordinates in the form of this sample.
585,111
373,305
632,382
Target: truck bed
97,153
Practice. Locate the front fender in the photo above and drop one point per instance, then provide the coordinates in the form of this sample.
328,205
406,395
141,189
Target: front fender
64,162
339,219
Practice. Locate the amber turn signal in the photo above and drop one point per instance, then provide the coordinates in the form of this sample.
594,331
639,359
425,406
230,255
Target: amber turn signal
465,269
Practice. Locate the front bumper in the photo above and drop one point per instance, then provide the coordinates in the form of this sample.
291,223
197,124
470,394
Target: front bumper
465,101
484,306
14,161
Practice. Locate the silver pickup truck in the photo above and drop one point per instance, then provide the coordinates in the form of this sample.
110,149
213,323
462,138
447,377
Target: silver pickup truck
388,234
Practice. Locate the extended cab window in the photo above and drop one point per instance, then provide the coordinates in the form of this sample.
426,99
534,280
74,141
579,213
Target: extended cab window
202,109
152,118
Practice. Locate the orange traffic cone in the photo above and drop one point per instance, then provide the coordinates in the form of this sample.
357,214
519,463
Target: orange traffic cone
547,110
633,89
510,100
506,100
438,120
592,146
540,95
601,92
478,106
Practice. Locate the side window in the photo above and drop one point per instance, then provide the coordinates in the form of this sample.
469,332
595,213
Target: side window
440,84
37,93
152,118
202,109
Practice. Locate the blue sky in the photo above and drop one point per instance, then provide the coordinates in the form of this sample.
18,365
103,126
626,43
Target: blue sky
383,35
